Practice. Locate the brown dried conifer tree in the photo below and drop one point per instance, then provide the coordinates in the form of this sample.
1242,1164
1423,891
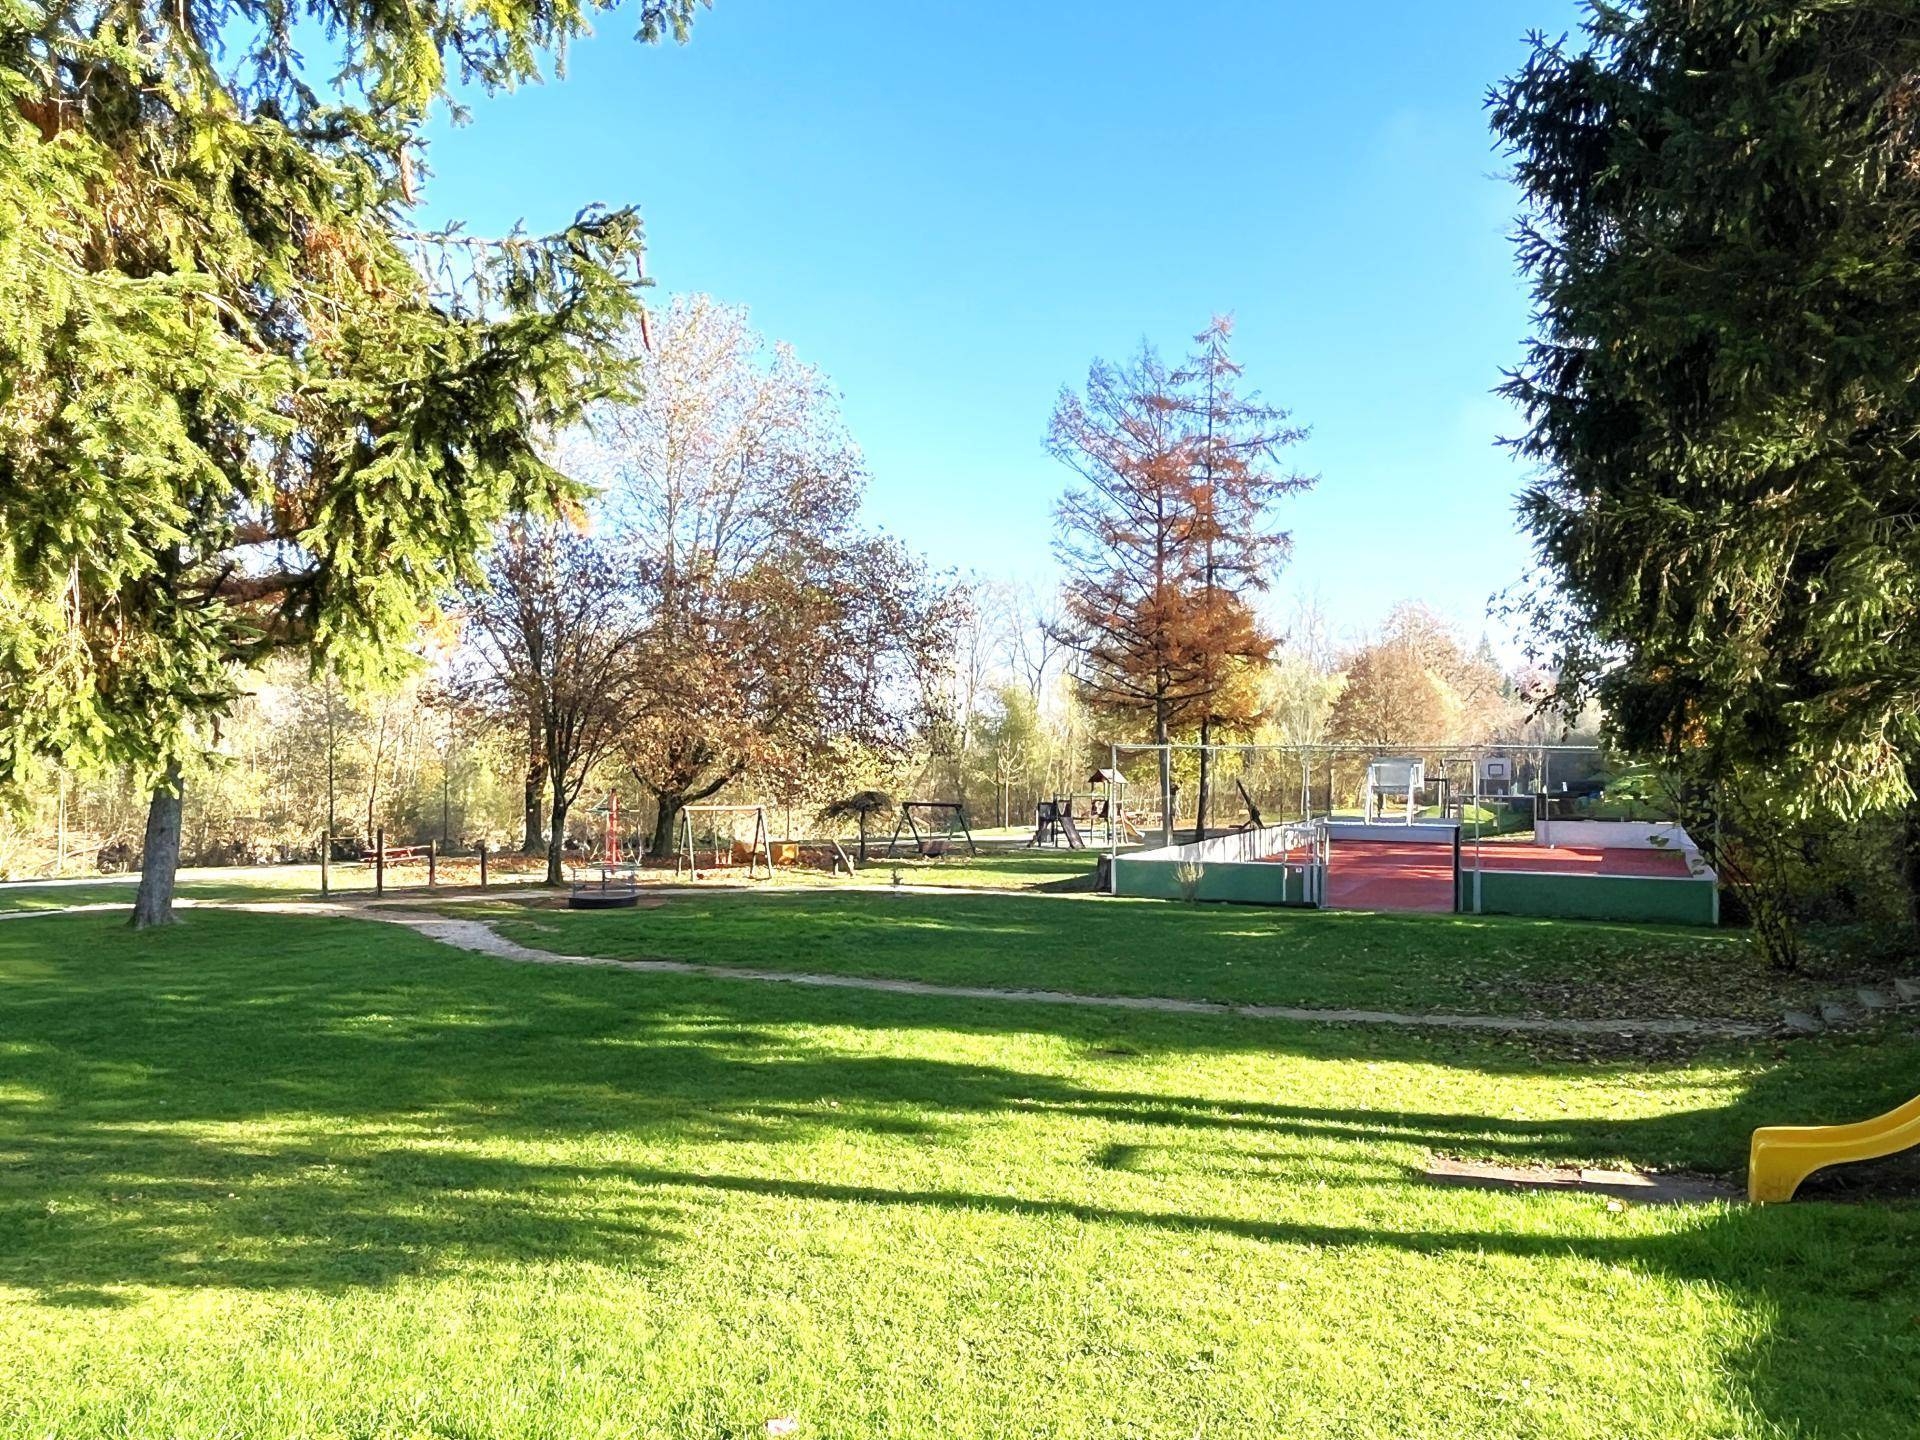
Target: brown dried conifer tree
1167,539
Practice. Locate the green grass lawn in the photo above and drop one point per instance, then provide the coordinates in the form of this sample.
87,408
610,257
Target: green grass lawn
993,868
1099,945
254,882
255,886
278,1176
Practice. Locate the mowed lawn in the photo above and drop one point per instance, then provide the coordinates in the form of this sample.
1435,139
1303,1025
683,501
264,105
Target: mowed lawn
993,868
249,884
1092,944
304,1177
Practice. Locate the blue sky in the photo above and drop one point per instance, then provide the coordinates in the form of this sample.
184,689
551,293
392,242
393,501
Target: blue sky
951,208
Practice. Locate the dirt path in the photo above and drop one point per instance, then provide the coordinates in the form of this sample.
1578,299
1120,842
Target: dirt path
479,937
67,909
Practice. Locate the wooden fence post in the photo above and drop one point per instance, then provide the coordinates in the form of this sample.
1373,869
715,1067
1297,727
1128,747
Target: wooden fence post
483,864
380,860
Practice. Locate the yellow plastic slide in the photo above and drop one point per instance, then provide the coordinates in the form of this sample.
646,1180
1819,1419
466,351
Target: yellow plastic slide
1784,1155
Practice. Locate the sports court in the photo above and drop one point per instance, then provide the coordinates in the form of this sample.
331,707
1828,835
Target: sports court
1402,875
1477,833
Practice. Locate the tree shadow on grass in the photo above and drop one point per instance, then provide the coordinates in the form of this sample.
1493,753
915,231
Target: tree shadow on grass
359,1106
112,1206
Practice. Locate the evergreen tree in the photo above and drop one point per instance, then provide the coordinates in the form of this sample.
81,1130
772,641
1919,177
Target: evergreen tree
245,408
1724,240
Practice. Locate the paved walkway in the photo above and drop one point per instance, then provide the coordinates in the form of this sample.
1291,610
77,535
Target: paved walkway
481,938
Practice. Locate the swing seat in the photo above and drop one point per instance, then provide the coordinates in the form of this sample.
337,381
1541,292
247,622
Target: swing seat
933,849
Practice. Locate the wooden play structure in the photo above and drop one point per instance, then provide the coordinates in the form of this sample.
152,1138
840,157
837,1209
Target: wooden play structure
723,848
1107,809
1101,809
1054,825
1254,820
949,815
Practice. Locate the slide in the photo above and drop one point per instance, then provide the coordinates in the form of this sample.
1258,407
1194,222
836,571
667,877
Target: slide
1074,839
1784,1155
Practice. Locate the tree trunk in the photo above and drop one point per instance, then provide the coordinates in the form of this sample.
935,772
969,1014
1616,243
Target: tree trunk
863,837
160,857
557,838
1910,845
1200,820
665,820
1160,738
533,839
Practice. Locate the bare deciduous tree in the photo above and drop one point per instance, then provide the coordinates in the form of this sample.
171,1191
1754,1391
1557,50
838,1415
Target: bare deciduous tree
555,635
776,623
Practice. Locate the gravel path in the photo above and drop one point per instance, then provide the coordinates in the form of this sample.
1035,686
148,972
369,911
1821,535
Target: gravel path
67,909
481,938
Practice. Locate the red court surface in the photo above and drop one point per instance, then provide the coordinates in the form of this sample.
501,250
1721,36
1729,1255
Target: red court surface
1389,875
1404,875
1567,859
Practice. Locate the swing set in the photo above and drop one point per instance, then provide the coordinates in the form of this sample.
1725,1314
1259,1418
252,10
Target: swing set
932,844
723,851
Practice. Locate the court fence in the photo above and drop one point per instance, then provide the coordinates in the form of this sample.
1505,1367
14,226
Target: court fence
1562,831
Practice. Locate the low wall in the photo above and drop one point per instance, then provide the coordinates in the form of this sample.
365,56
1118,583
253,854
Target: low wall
1229,845
1232,868
1564,896
1613,834
1244,882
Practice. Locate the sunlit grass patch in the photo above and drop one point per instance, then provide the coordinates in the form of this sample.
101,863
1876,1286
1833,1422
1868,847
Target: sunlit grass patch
277,1176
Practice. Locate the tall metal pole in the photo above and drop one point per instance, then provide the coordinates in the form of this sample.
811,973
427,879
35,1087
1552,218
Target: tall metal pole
1546,804
1479,816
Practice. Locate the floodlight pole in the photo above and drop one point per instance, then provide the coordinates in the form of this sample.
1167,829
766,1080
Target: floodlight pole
1116,796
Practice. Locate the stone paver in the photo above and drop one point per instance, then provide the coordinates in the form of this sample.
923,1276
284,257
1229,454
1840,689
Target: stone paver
1630,1186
